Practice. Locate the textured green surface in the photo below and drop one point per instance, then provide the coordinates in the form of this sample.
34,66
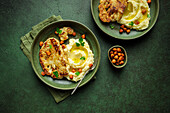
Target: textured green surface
49,32
142,86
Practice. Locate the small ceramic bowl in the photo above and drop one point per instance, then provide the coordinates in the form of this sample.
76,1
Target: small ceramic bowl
122,51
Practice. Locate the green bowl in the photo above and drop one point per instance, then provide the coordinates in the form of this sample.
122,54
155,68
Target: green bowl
47,32
105,27
123,51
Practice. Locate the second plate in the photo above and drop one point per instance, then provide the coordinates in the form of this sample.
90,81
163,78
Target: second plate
105,27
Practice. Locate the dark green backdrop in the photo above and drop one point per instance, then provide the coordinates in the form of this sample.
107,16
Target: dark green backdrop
142,86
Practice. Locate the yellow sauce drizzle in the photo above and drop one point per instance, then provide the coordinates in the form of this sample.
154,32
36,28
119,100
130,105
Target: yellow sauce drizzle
76,58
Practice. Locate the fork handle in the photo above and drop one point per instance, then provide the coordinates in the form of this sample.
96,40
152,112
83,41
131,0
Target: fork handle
79,83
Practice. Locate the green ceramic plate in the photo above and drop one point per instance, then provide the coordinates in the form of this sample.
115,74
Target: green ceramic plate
105,27
47,32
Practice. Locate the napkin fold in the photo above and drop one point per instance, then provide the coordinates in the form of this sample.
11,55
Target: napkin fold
26,42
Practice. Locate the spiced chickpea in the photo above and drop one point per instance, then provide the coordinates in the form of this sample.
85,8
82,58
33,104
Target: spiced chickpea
111,52
119,54
115,53
116,57
114,49
80,70
113,61
41,43
71,76
121,58
121,62
42,73
74,33
73,70
119,50
90,65
112,55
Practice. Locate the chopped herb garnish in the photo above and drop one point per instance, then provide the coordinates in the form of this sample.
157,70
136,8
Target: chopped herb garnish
148,16
77,44
55,73
82,58
80,40
131,23
82,44
50,46
111,26
59,31
77,73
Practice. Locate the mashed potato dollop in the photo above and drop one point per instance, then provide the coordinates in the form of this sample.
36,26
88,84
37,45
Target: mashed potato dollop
79,57
137,12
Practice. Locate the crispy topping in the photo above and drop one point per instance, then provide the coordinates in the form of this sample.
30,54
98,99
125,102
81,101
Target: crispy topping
53,59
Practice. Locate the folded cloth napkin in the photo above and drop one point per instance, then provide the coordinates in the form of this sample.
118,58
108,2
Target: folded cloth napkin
26,42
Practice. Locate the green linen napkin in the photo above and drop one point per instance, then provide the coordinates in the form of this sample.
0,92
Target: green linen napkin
26,42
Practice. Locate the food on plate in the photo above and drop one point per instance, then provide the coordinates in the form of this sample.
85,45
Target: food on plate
74,33
80,58
52,59
128,31
111,26
61,42
117,56
63,46
134,14
111,10
70,61
90,65
83,36
149,1
64,32
123,28
42,73
41,43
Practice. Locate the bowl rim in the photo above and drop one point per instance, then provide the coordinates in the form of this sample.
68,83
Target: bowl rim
125,56
117,37
83,83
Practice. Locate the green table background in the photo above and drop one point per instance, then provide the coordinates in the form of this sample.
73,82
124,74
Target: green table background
143,86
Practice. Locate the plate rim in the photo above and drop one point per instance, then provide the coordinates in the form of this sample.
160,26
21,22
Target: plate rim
97,66
146,30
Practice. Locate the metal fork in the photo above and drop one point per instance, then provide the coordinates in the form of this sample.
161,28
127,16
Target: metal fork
93,67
